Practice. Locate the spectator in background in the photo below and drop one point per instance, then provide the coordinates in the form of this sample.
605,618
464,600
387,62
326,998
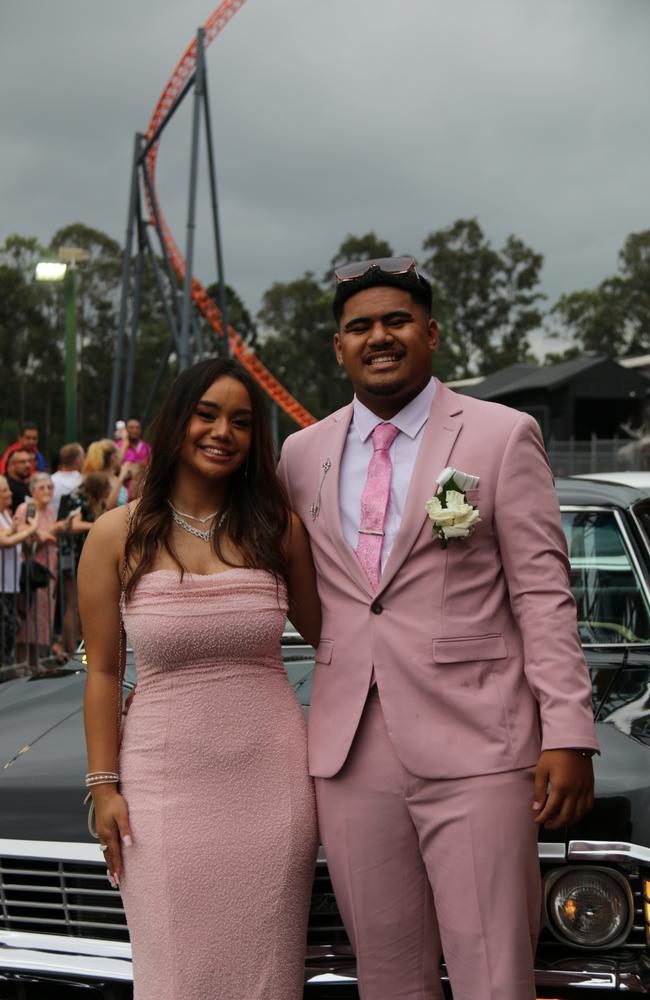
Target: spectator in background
78,510
10,540
86,503
134,450
27,441
103,456
68,476
40,627
18,475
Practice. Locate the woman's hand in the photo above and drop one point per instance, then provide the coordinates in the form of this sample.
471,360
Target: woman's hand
31,526
112,823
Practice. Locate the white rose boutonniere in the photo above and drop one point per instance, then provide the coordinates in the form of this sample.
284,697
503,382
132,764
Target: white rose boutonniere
451,514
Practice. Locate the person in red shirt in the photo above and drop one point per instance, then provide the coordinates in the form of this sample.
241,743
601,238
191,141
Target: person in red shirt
27,441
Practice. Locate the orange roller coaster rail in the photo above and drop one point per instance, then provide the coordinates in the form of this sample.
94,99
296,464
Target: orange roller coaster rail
184,70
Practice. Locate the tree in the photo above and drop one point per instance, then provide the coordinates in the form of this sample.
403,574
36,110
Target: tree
613,319
98,288
298,347
30,348
596,318
238,315
485,300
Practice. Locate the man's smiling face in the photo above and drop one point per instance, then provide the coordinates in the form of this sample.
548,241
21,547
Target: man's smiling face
385,342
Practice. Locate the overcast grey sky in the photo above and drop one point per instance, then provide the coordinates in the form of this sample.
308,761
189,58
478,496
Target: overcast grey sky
340,116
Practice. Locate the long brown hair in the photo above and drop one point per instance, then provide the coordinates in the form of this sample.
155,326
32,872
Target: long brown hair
257,508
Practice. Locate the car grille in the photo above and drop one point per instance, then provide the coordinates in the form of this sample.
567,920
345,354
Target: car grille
74,897
59,897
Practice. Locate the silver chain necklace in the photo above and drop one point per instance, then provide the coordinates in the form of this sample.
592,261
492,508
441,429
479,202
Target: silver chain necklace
205,536
192,517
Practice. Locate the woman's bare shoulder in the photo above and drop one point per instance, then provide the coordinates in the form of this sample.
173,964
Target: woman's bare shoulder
111,527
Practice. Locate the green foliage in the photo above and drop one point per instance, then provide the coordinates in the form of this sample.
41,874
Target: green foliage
30,352
613,319
485,300
238,317
297,317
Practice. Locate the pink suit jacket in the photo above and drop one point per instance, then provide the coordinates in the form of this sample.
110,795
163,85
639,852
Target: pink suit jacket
475,647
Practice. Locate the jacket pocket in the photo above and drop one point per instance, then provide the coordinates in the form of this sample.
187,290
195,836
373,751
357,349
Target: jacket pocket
470,649
324,651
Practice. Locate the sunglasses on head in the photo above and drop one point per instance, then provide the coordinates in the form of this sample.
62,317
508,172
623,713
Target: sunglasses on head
388,265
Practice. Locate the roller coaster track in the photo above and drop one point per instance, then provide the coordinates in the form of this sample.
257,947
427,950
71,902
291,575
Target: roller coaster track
177,81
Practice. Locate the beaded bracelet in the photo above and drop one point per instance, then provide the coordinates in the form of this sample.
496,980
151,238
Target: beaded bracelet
101,778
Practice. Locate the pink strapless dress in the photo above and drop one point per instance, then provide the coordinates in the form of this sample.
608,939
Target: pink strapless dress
213,766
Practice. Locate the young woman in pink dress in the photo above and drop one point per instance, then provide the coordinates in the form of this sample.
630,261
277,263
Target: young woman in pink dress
207,810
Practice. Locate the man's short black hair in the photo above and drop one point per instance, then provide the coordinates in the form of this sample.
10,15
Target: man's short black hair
28,425
418,288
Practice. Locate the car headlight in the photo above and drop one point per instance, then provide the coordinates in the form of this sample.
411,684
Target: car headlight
591,907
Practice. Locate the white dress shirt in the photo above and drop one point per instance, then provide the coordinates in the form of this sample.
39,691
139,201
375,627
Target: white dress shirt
358,451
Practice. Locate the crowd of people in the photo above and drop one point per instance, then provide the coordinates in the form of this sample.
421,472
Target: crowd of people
44,518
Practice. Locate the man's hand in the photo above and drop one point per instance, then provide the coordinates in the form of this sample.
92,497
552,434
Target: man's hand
571,793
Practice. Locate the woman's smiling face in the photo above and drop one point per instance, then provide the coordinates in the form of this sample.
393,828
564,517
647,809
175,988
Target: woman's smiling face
42,492
220,430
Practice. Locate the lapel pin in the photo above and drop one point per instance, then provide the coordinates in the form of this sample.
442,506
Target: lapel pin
314,509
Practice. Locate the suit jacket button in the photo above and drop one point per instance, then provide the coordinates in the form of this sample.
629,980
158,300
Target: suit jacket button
376,608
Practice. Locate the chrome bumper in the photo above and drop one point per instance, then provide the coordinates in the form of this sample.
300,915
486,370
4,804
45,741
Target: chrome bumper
92,959
88,959
50,954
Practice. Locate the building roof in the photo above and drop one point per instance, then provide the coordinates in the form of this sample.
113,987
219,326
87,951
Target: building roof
522,378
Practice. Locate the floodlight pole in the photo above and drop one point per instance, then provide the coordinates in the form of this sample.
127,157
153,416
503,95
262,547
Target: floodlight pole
70,311
126,275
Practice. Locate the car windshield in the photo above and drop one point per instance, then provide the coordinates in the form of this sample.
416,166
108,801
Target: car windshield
612,603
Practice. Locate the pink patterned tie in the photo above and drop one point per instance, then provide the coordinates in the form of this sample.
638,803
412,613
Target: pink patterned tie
374,502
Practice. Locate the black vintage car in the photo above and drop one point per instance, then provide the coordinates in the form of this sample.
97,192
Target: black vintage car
62,929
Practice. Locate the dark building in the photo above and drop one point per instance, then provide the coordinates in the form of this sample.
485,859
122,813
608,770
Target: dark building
577,398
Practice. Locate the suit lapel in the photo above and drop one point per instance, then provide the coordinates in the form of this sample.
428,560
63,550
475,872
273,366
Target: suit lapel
440,435
330,510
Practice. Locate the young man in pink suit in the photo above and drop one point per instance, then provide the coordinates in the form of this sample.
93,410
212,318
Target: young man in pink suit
451,710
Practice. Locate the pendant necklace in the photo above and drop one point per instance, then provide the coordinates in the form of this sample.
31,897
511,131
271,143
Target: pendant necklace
205,536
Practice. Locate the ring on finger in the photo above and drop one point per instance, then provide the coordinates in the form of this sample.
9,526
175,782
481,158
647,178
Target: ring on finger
103,848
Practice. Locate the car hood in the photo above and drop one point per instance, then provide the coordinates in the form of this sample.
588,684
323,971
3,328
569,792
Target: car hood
30,707
621,810
43,763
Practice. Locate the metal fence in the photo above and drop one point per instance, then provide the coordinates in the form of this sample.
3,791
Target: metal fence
39,622
571,458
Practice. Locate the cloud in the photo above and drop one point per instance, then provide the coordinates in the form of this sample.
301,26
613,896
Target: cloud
340,116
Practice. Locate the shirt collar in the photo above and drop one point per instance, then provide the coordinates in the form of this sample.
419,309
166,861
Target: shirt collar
410,420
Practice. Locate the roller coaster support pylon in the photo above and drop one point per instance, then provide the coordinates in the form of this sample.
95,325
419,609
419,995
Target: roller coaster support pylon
182,294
